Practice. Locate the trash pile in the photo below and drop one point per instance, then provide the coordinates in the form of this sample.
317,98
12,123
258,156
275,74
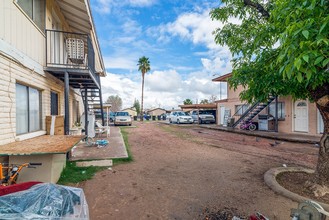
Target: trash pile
224,214
230,214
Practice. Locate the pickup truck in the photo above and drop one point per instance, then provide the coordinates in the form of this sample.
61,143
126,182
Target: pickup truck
203,116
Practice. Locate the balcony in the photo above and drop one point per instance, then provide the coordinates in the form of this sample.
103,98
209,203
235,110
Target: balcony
72,53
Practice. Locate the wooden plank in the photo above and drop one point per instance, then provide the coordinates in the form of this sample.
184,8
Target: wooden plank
46,144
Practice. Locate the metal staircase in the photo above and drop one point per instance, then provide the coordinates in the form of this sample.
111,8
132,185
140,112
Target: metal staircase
92,97
252,111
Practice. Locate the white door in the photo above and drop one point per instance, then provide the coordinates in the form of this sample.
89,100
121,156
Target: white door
301,116
222,114
320,123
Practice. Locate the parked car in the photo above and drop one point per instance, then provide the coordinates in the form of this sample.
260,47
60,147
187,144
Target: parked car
111,116
203,116
180,117
122,118
147,116
98,115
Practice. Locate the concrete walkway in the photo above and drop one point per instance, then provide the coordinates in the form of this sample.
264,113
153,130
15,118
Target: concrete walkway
301,138
114,149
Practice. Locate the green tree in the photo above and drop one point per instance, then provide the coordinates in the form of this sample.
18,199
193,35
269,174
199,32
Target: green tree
115,101
144,67
187,102
137,106
204,101
281,47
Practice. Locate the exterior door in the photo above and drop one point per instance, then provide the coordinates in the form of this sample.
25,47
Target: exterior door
222,114
301,116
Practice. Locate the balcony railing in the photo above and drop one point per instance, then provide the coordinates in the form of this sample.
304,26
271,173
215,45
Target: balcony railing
70,51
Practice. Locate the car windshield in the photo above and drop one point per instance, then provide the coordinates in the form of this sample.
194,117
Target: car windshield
122,114
204,113
182,113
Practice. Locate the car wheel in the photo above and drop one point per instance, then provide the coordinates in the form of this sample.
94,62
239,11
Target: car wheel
252,127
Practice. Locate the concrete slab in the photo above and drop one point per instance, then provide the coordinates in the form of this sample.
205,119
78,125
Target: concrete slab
115,149
291,137
97,163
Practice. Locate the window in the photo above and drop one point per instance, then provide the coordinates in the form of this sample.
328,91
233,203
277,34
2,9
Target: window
281,110
28,109
240,109
53,103
35,9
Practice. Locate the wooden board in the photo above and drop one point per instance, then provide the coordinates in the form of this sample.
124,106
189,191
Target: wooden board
46,144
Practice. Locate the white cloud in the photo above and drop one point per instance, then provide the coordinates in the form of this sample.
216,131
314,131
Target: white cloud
194,27
197,28
166,88
217,65
163,81
120,62
141,3
107,6
121,85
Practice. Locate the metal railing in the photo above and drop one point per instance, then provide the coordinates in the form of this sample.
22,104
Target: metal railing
239,112
70,50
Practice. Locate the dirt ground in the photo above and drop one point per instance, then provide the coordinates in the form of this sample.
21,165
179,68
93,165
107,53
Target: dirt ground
183,172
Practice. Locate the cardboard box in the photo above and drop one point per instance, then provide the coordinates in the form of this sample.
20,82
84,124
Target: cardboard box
59,121
58,126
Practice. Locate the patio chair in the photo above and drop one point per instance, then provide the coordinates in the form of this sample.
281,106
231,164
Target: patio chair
102,129
75,51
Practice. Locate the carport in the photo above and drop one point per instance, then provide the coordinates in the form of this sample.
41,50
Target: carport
211,106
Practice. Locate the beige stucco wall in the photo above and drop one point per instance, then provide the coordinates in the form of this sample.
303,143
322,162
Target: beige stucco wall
49,171
157,112
131,112
286,125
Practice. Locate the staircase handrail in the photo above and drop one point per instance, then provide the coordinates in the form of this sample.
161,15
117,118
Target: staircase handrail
269,100
245,113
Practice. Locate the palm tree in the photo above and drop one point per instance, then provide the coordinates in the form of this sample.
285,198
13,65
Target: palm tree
187,102
144,67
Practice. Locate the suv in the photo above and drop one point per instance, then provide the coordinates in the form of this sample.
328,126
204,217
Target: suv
204,116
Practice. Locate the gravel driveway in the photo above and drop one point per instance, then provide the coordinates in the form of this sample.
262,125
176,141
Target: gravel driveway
178,172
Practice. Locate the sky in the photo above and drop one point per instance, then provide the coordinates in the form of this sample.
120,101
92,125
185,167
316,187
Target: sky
176,36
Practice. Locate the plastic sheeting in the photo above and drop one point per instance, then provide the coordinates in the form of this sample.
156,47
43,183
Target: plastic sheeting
45,201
